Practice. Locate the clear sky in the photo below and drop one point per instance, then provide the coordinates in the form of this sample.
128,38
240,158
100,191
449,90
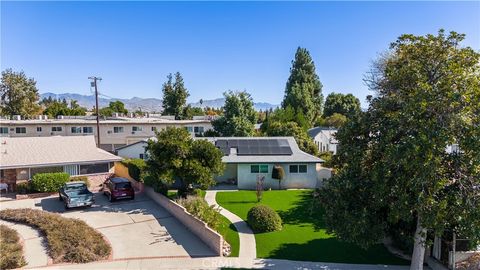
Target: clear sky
216,46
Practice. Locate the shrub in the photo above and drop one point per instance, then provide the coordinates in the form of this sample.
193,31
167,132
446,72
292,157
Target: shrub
199,208
69,240
264,219
80,178
49,182
11,253
24,188
156,184
136,167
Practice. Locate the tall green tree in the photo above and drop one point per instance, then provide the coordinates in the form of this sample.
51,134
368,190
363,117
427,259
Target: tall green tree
394,166
239,116
175,97
347,105
19,94
303,91
176,155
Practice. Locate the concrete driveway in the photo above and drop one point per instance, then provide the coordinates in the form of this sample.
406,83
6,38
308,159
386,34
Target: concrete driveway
136,229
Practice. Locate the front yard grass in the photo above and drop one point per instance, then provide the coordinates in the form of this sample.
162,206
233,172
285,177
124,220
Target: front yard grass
11,252
303,236
68,239
230,234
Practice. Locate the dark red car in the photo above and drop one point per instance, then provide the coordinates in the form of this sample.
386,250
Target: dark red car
118,188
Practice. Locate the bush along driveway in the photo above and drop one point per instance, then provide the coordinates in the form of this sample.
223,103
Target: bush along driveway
303,236
11,253
69,240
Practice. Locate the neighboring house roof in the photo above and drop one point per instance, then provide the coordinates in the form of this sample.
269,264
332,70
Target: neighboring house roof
325,131
297,156
143,141
109,120
22,152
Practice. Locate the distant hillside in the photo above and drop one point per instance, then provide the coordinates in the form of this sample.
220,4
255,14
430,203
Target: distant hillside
146,104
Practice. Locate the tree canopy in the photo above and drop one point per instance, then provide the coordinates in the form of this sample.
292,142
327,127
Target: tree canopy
346,105
176,155
303,91
393,164
175,97
19,94
239,116
113,107
55,107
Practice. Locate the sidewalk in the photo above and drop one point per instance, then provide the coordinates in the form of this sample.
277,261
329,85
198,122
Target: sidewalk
219,262
248,247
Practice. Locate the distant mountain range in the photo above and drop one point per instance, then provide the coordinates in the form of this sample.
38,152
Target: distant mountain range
145,104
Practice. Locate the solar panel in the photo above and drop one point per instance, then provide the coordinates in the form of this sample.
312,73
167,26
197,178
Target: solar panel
255,147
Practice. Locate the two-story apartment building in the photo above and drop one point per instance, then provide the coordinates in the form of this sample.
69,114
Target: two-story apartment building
114,131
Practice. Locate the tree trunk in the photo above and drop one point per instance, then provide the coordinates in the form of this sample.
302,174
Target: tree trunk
419,247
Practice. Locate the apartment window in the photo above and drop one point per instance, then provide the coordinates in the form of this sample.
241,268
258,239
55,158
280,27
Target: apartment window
302,168
56,129
141,156
118,129
39,129
189,129
261,168
136,128
87,129
21,130
198,130
3,130
76,130
154,129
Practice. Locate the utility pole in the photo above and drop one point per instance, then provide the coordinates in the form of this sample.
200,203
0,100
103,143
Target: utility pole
94,84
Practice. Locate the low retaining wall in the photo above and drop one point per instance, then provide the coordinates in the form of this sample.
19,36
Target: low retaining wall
210,237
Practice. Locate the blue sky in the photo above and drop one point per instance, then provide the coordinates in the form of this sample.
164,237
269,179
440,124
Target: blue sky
216,46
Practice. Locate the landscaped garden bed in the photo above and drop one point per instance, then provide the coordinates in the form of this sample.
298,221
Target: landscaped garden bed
303,236
68,240
11,252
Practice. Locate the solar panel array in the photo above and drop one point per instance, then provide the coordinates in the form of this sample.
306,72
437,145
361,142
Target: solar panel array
255,147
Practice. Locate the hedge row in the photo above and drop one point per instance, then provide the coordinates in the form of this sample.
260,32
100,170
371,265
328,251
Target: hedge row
136,167
68,239
49,182
11,253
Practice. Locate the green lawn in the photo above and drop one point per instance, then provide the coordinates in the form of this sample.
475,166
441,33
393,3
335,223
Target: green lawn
230,234
303,236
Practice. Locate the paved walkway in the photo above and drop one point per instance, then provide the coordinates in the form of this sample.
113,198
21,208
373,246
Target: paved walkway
248,247
219,262
34,249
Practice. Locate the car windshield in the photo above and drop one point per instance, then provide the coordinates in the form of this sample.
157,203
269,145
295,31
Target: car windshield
123,185
73,187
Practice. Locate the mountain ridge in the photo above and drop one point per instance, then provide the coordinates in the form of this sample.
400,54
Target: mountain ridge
145,104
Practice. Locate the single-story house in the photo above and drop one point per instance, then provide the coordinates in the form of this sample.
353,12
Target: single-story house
250,158
23,157
324,138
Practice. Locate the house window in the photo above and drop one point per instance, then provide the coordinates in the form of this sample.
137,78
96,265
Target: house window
87,129
189,129
56,129
261,168
76,130
141,156
39,129
198,130
3,130
136,128
94,168
21,130
302,168
34,171
117,129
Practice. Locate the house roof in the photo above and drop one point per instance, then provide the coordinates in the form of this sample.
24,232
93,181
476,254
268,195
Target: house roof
92,120
326,131
22,152
297,156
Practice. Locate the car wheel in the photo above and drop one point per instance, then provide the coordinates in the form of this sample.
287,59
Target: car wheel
66,207
133,197
60,197
110,198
